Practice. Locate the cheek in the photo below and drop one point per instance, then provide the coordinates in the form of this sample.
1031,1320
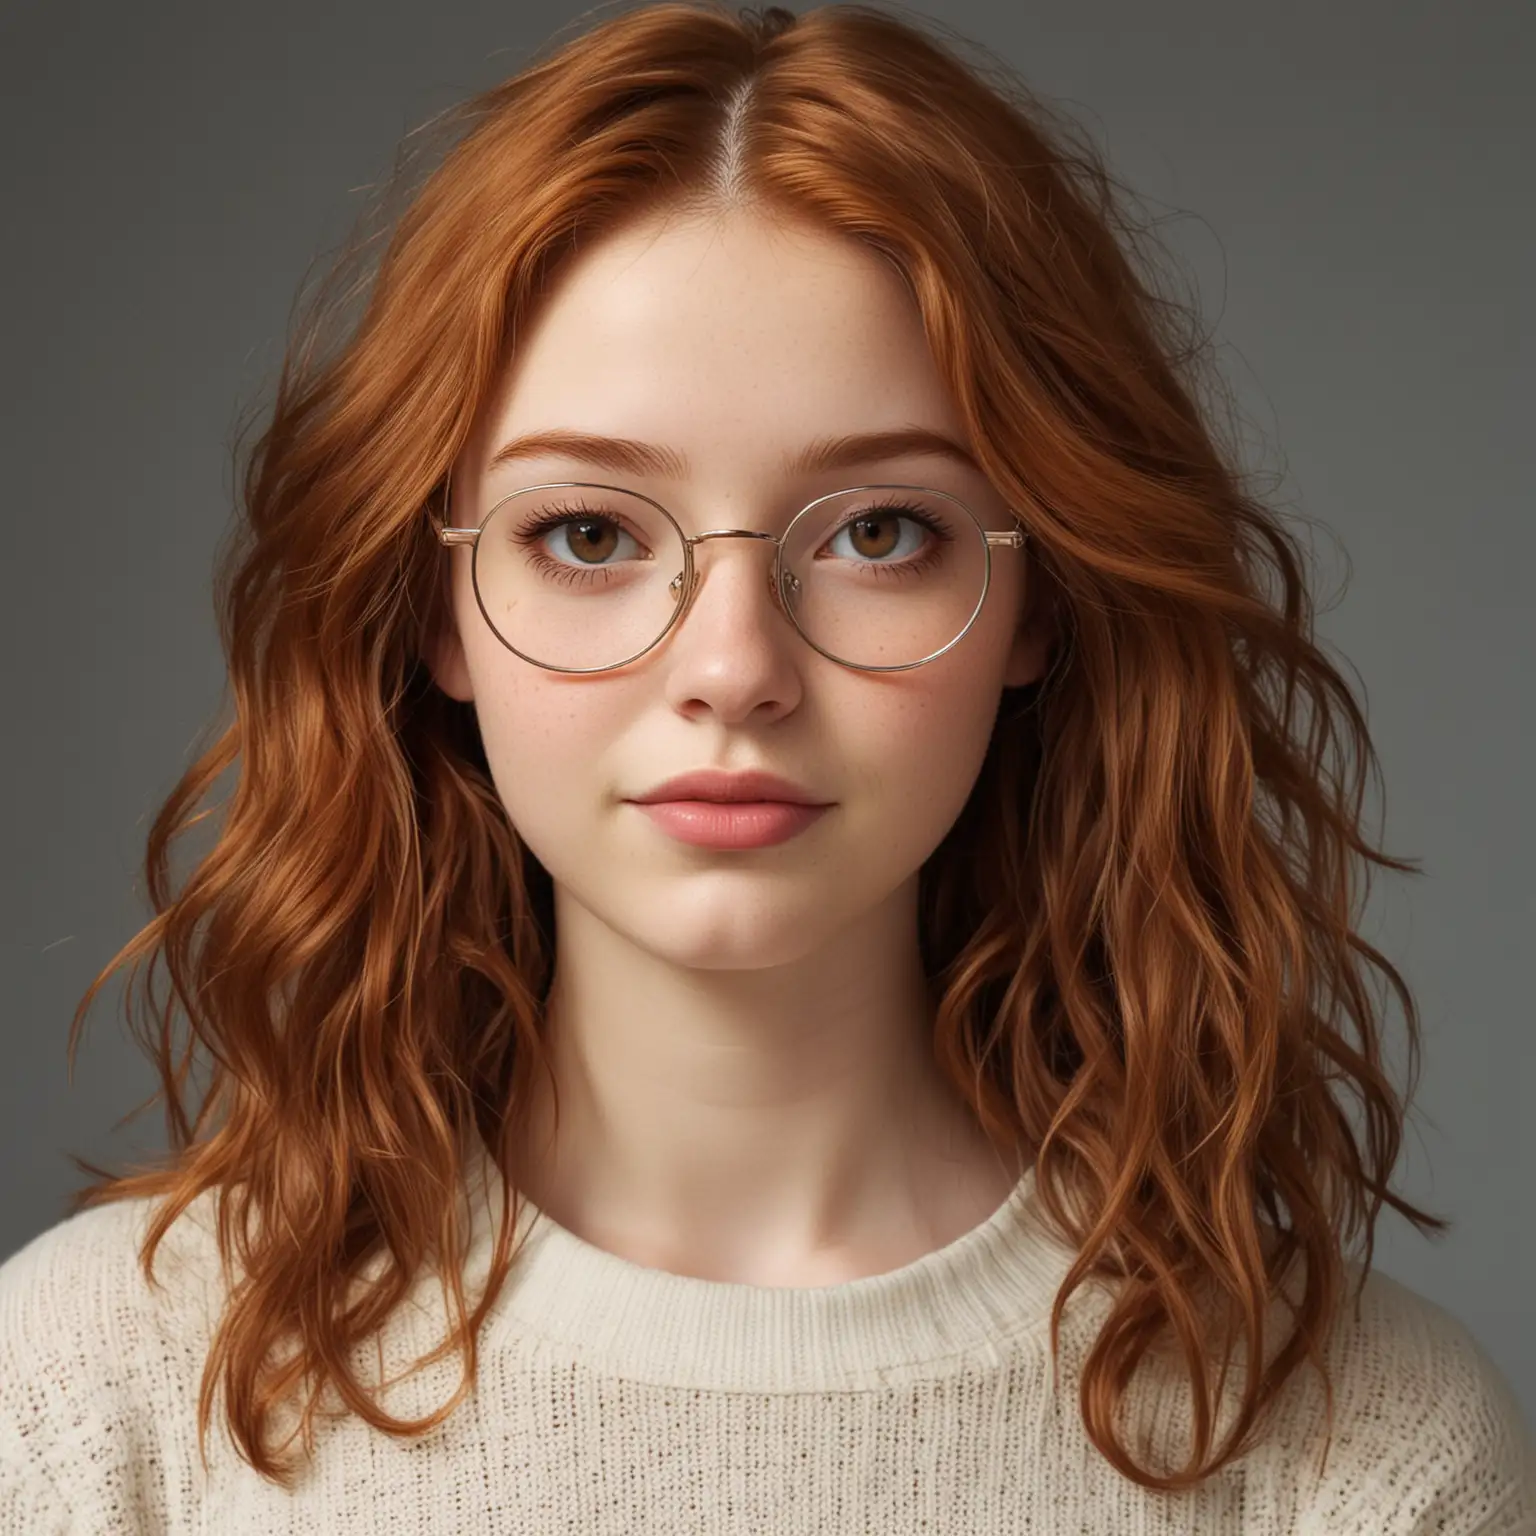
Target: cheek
545,738
920,746
546,765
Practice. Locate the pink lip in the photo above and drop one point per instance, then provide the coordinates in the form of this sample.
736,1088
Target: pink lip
752,785
743,824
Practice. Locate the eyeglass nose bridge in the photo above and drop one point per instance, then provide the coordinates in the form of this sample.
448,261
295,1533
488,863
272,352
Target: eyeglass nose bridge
688,577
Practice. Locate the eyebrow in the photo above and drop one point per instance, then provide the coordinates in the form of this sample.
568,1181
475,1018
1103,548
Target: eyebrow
627,456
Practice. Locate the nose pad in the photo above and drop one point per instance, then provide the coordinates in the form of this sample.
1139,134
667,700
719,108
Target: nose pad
675,585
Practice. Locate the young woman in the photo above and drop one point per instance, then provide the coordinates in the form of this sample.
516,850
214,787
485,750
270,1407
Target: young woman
781,950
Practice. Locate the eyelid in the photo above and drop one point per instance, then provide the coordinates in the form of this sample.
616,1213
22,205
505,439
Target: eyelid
770,513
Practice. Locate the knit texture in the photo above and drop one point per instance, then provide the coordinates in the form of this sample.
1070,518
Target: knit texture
613,1398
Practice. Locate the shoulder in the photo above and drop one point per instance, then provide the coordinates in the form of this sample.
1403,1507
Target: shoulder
82,1279
93,1359
1427,1433
60,1292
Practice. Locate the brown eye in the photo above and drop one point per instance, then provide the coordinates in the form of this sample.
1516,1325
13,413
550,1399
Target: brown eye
592,537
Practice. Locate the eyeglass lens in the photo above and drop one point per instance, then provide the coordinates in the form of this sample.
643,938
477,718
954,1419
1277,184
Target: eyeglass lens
588,577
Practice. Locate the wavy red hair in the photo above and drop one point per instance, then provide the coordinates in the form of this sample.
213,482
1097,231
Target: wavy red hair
1140,934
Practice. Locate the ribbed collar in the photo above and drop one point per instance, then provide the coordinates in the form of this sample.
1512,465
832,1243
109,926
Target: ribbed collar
964,1300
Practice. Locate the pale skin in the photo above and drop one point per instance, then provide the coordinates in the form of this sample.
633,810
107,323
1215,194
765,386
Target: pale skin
741,1038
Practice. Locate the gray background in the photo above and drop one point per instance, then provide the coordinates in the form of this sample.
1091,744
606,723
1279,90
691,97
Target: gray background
1348,186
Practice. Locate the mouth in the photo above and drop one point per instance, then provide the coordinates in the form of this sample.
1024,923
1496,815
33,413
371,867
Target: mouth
731,824
747,786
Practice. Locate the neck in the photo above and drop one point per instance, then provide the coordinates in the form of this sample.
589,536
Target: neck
785,1125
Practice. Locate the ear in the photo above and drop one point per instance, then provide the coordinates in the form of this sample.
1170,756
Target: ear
443,650
1030,654
446,662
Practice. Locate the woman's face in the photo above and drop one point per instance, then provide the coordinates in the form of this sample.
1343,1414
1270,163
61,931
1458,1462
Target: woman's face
732,344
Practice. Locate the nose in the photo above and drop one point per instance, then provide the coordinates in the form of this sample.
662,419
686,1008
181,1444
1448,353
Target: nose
741,663
697,572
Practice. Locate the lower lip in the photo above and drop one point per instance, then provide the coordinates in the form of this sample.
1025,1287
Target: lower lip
741,824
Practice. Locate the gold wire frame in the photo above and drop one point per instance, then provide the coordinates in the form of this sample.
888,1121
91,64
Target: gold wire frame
1016,538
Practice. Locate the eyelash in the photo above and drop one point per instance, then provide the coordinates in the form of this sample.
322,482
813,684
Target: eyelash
530,533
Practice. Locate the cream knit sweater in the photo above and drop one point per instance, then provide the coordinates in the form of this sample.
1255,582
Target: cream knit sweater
616,1398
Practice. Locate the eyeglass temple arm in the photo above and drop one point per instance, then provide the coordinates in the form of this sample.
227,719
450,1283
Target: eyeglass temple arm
1014,539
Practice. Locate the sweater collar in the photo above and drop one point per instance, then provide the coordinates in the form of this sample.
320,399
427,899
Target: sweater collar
963,1300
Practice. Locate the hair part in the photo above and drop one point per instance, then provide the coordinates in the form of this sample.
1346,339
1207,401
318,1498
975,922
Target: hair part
1140,933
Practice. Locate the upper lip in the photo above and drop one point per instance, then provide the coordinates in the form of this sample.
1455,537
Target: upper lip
716,784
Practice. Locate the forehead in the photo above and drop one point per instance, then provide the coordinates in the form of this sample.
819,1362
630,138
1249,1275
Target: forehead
723,329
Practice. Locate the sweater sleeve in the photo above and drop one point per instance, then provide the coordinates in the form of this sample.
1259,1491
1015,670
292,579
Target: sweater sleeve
83,1405
1432,1440
1477,1459
30,1502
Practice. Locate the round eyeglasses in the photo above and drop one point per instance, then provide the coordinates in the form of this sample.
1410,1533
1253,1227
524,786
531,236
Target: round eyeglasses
577,577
